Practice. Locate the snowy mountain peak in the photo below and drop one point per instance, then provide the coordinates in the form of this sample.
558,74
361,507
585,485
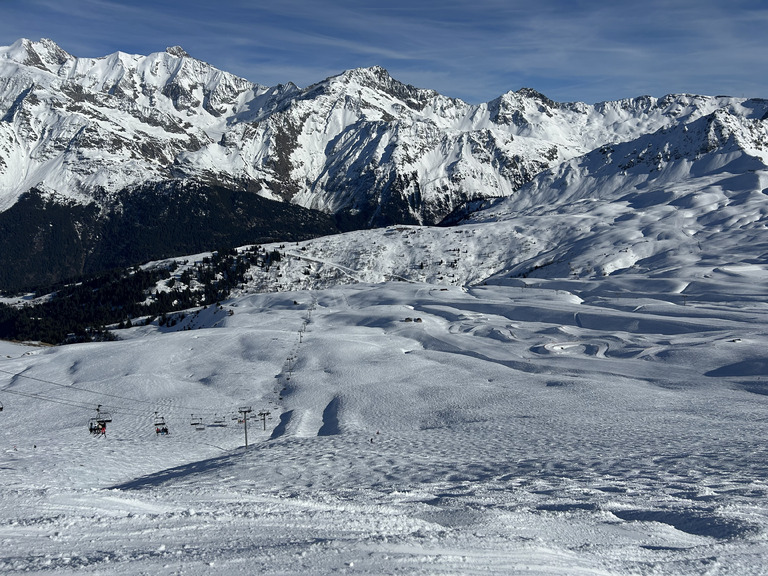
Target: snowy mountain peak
520,108
360,145
373,83
535,95
177,51
366,76
377,73
44,54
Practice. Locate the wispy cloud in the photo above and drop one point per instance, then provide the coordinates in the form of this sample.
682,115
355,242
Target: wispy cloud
569,49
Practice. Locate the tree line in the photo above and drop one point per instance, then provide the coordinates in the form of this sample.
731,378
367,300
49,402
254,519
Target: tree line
91,308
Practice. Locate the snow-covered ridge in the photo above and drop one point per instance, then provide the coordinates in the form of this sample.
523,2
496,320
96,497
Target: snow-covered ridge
186,82
360,144
688,201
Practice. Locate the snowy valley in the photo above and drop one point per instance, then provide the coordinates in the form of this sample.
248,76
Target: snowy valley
570,379
551,393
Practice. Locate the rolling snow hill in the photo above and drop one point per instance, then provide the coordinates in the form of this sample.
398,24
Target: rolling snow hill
511,428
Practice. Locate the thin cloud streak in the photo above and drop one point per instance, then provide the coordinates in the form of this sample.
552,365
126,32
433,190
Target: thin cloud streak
570,50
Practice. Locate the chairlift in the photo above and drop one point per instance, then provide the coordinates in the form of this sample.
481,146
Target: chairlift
197,423
98,424
161,428
102,417
218,422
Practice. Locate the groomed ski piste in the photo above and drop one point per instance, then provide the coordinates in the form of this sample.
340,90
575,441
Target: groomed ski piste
418,429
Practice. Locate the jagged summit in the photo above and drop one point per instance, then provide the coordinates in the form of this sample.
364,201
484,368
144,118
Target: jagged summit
533,94
177,51
44,54
368,84
360,145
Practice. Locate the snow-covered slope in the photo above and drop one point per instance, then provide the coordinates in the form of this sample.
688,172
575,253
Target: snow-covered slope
412,428
360,144
688,202
571,381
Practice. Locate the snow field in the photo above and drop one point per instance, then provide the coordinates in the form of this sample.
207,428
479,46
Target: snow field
499,429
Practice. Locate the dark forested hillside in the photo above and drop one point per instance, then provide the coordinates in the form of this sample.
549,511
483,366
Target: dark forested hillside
90,308
150,222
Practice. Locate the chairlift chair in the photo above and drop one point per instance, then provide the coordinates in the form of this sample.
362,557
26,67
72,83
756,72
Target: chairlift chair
102,417
98,424
218,422
160,426
1,406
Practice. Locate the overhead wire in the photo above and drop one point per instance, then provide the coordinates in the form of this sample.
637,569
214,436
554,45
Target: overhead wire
74,403
115,409
73,387
57,400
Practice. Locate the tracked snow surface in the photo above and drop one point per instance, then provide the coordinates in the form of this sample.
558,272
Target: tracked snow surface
571,382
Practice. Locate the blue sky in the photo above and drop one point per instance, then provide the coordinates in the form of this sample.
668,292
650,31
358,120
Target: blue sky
474,49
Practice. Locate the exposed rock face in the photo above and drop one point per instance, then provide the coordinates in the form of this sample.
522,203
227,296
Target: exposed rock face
359,146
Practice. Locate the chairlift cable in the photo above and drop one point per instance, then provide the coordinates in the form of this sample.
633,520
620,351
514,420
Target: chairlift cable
54,400
76,404
73,387
82,405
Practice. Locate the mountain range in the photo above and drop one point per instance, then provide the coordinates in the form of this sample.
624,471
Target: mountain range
519,336
112,161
